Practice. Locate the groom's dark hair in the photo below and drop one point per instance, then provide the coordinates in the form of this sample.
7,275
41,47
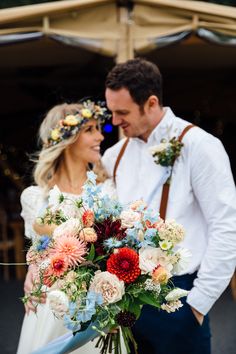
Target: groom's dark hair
139,76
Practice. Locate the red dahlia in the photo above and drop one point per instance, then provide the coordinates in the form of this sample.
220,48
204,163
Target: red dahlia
124,264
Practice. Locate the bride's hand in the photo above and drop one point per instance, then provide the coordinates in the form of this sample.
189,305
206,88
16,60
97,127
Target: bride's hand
44,229
31,304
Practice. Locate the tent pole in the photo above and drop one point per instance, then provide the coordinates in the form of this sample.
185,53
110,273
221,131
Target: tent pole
125,50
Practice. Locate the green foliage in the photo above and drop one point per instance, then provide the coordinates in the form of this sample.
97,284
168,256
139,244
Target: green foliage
149,299
91,254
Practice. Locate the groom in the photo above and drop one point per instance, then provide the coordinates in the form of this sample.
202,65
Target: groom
201,197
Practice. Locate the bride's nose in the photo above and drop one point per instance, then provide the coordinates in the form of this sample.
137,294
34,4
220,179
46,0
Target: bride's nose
99,136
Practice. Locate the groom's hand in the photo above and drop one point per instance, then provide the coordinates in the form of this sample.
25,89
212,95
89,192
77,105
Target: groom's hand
198,315
31,304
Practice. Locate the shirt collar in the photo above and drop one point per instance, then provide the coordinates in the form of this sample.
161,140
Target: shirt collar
163,128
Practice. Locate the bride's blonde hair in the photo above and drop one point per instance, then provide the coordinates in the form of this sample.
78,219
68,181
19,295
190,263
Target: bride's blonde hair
47,160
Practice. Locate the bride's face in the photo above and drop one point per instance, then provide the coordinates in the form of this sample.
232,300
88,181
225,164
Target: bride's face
87,145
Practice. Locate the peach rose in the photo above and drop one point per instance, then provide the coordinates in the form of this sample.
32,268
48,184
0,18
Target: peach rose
129,217
138,204
88,234
160,275
108,285
150,257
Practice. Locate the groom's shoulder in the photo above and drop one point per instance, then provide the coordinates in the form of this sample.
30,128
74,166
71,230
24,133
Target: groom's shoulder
115,149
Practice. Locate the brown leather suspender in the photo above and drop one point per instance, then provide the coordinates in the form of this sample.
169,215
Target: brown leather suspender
166,186
121,153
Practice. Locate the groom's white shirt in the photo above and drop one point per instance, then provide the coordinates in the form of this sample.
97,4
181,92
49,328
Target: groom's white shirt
202,198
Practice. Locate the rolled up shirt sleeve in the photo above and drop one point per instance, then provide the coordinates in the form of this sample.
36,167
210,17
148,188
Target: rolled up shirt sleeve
214,189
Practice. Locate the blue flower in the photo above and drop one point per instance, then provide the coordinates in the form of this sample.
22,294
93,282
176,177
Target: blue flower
146,243
131,236
150,215
92,300
138,225
71,324
86,314
91,177
112,242
43,243
72,308
97,298
150,233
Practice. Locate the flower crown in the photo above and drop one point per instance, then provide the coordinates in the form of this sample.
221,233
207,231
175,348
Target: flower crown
71,124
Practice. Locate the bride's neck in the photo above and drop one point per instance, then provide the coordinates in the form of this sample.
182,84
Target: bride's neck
70,175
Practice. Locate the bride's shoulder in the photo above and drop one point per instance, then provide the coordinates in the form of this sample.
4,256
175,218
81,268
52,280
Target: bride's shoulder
31,193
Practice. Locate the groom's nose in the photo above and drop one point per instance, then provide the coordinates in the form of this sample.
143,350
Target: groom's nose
116,119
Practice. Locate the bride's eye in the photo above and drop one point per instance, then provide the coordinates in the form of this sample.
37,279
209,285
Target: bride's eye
89,129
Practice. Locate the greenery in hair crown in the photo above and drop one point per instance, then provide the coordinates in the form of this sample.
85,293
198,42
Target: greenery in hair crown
71,124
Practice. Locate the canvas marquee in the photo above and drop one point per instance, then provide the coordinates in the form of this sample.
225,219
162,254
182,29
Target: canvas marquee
122,32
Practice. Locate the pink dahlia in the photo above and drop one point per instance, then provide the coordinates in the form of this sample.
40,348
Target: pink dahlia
71,248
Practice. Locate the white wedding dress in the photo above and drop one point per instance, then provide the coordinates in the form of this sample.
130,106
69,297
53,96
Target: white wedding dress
41,328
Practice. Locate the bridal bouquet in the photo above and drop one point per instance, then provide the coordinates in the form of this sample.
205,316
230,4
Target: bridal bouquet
102,263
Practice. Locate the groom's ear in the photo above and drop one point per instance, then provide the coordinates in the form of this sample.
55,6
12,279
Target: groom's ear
152,102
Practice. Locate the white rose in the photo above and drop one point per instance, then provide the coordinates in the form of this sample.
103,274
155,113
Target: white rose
70,227
69,209
150,257
183,257
58,302
158,148
172,306
108,285
129,217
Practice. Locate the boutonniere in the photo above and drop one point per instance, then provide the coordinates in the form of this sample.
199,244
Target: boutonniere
166,152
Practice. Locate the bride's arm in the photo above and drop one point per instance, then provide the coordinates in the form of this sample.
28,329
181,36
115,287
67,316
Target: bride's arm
30,200
31,304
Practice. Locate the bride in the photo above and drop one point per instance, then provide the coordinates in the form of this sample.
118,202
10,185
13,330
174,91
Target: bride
71,140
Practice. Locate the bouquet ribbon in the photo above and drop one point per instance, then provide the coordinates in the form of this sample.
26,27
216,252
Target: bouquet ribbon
68,342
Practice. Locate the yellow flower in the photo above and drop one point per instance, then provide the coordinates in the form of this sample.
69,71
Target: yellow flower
165,245
86,113
55,134
70,120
